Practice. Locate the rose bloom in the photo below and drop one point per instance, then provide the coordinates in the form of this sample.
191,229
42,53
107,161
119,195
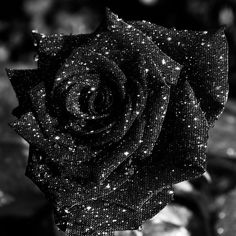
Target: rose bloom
116,117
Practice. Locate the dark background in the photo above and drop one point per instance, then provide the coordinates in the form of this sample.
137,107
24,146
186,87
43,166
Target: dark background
206,206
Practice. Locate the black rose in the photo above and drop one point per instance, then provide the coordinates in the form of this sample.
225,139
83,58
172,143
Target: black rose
116,117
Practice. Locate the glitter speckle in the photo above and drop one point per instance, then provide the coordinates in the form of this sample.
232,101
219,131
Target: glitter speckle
163,61
108,186
88,208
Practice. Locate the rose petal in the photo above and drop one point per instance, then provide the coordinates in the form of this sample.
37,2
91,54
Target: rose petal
22,81
205,54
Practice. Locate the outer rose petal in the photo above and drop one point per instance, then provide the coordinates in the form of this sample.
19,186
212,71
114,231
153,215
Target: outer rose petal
204,55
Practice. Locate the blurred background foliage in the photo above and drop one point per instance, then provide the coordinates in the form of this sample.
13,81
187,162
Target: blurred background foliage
206,206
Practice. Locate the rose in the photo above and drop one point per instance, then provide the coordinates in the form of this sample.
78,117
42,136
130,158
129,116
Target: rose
98,109
105,115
